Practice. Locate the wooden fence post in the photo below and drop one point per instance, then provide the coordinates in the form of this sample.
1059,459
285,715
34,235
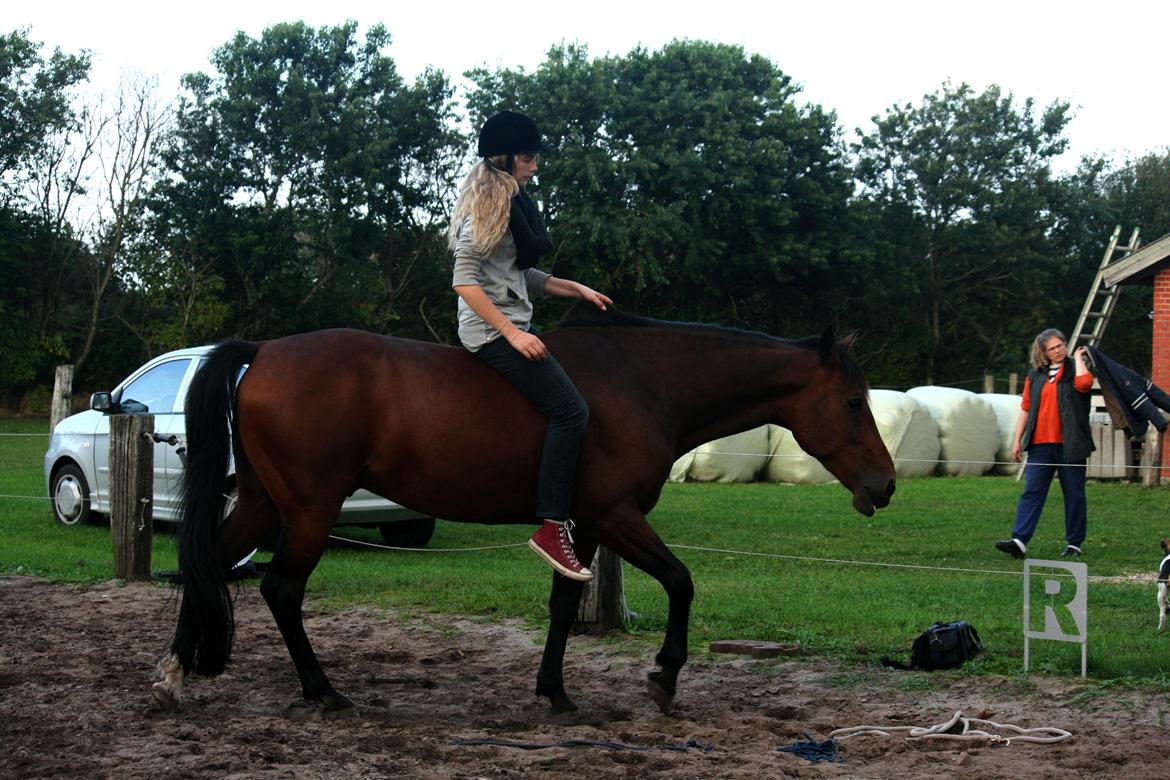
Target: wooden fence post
131,494
988,383
1013,379
601,606
1152,458
62,403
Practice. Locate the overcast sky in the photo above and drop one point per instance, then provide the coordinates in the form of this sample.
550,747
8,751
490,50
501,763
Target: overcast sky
856,58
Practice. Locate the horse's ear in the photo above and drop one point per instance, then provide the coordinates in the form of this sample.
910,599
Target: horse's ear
827,347
848,340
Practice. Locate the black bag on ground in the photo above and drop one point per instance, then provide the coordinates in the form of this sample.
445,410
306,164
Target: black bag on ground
942,646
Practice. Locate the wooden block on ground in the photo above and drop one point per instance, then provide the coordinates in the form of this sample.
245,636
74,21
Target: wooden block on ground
753,648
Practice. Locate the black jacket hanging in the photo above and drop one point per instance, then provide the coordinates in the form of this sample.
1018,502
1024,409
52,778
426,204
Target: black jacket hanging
1127,392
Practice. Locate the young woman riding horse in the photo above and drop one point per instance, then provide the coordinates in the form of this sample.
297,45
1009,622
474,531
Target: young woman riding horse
319,415
497,237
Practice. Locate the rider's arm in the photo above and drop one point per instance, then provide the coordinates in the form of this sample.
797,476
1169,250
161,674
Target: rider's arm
525,343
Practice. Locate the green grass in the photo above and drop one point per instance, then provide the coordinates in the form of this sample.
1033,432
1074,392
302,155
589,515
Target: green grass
848,611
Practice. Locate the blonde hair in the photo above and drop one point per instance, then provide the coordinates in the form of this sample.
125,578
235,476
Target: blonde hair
1039,354
486,194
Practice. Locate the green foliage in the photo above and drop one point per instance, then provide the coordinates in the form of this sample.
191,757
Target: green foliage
35,100
305,180
1093,200
960,195
686,181
306,185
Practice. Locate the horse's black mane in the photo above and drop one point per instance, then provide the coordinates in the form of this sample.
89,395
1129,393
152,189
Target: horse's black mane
586,315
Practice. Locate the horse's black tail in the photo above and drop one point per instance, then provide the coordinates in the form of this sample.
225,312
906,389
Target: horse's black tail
203,637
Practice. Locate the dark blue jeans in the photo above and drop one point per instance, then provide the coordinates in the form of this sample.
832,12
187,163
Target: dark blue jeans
1044,462
545,384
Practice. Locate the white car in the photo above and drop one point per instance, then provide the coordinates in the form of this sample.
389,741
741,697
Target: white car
77,462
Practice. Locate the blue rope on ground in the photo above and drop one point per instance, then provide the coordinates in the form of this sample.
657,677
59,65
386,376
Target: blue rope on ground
569,743
814,751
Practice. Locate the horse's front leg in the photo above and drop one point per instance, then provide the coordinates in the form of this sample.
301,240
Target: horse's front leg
631,537
563,604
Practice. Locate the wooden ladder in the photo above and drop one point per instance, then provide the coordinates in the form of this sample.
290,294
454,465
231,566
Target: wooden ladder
1114,453
1102,300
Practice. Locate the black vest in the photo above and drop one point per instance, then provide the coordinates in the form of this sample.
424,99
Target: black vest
1076,437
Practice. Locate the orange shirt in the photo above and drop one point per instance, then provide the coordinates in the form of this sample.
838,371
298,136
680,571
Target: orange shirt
1048,429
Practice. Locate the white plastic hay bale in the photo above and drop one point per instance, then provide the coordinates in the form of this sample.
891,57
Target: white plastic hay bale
678,471
967,429
1007,415
736,458
789,463
908,430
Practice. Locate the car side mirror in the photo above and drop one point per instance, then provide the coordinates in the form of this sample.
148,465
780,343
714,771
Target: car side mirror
100,402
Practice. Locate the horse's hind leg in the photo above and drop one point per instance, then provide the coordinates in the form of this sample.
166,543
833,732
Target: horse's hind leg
563,605
253,517
302,542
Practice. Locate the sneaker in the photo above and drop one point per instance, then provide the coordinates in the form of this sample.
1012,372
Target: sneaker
1013,547
1072,551
553,541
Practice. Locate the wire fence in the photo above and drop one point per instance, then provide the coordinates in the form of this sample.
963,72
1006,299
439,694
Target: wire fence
745,553
719,550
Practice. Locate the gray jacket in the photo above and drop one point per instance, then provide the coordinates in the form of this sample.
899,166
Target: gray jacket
504,283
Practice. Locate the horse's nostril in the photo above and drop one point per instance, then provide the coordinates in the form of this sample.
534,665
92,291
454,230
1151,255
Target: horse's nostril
890,488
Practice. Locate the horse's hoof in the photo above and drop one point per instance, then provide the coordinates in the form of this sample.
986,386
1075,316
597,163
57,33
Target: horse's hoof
304,710
163,697
335,705
559,705
662,697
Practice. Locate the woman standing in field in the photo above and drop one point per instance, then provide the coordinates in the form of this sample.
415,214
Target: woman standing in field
1054,430
497,236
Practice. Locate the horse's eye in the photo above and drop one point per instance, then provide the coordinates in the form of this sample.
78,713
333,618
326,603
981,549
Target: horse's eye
855,404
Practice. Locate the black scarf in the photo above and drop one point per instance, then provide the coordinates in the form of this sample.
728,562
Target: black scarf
532,241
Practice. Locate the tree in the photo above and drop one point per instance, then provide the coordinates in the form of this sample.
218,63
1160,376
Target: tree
37,242
1098,196
35,101
305,184
960,194
687,181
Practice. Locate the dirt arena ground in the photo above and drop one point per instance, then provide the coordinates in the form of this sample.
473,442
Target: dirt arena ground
76,664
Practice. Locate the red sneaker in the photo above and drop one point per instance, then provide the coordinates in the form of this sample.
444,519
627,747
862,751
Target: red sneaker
554,542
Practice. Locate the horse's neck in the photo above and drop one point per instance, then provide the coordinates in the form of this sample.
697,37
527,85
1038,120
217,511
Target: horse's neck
717,388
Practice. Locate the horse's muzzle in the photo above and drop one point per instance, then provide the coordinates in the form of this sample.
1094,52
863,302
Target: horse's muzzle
867,499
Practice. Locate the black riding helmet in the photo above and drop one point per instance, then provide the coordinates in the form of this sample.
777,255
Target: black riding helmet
509,132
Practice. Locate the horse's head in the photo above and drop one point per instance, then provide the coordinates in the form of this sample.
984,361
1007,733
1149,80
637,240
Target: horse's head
832,421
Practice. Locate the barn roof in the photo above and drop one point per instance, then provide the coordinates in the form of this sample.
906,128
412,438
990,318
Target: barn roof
1139,266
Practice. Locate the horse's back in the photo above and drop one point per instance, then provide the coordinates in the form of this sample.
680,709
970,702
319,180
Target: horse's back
326,412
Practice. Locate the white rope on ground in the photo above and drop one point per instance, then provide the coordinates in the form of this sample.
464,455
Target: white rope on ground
959,728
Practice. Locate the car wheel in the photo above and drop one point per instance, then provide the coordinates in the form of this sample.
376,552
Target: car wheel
70,496
408,533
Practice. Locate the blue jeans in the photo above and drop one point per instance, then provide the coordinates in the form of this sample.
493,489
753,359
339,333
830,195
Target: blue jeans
1044,462
545,384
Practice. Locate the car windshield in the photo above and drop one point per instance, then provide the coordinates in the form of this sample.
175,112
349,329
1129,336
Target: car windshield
156,390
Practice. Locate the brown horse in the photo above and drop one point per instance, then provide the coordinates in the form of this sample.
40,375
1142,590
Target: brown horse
321,414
